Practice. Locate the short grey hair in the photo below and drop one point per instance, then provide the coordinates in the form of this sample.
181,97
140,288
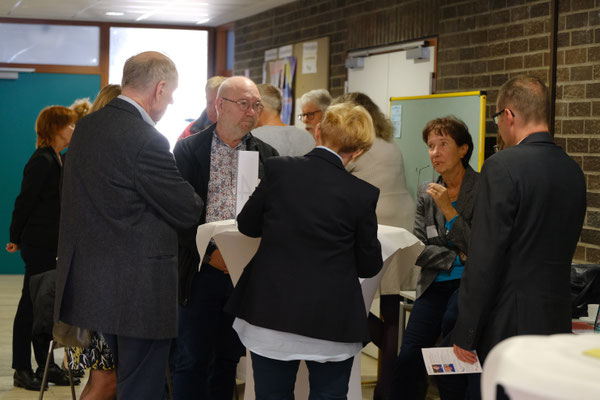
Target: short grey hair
144,70
270,96
319,97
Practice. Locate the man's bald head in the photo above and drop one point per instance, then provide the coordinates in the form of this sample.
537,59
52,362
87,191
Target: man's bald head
235,94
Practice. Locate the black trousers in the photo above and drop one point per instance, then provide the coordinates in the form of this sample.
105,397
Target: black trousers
36,261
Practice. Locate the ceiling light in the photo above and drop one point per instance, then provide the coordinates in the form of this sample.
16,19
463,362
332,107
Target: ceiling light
203,21
114,13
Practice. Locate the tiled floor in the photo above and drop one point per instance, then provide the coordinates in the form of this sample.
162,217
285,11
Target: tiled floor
10,291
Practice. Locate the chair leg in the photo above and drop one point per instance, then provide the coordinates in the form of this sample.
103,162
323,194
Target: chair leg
45,377
73,396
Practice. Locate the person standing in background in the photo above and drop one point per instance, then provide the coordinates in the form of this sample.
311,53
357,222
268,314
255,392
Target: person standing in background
528,216
122,201
209,115
383,167
287,140
34,231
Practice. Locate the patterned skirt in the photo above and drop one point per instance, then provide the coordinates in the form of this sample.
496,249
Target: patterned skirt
97,356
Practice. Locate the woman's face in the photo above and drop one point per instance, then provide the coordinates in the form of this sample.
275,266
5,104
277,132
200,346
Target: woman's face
311,116
64,134
444,154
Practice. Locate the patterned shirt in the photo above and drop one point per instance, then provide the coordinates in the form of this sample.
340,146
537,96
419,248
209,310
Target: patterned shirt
222,183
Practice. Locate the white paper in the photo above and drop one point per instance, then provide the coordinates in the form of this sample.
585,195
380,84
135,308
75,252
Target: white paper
247,177
396,118
285,51
270,54
309,57
443,361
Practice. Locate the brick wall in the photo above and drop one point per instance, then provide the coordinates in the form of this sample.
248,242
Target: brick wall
481,44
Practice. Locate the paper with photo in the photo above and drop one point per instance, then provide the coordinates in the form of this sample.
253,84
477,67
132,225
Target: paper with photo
443,361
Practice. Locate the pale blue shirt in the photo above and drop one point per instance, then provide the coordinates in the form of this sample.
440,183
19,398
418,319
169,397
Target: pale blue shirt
145,116
331,151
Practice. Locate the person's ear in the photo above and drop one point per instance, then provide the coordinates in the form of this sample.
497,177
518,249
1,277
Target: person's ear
160,89
318,140
356,154
463,150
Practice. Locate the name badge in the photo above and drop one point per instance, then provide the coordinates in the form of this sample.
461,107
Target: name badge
431,232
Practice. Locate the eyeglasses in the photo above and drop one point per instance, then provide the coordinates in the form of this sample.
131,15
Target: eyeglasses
495,116
244,104
309,115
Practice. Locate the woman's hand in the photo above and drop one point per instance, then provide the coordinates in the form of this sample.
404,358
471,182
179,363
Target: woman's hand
439,194
11,247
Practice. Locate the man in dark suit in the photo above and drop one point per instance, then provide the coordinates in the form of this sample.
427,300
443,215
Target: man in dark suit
207,349
122,201
528,215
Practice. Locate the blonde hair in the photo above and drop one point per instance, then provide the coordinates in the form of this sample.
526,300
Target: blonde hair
347,127
106,94
214,82
50,121
81,107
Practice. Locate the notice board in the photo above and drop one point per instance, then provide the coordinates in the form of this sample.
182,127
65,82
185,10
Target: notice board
409,116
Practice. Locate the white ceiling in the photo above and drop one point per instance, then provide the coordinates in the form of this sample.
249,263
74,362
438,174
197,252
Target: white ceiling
182,12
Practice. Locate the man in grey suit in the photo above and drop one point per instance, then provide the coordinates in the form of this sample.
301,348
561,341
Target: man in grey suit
122,201
527,219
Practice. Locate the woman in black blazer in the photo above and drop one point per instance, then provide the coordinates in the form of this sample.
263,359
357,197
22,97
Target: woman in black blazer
300,297
34,231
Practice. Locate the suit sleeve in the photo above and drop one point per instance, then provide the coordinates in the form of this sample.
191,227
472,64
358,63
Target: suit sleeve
367,248
433,256
159,182
34,180
250,219
496,205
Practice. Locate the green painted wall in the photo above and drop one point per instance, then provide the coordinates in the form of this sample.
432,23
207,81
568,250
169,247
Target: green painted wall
21,101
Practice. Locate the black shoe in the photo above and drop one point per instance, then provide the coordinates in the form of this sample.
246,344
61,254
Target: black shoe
56,376
27,380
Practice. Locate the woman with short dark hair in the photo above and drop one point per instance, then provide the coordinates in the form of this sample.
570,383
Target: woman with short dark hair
443,224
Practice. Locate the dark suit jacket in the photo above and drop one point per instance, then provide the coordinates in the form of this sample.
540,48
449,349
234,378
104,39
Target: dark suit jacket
319,235
441,251
192,155
528,215
122,200
37,208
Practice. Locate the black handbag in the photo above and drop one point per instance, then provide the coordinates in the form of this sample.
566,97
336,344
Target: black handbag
585,288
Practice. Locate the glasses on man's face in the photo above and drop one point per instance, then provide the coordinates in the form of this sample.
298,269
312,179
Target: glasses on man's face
244,105
495,116
309,115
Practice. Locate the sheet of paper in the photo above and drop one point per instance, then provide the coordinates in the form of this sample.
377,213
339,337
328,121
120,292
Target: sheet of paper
443,361
247,177
309,57
396,118
285,51
271,54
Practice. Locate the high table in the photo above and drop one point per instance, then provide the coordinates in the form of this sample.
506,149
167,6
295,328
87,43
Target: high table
238,249
543,368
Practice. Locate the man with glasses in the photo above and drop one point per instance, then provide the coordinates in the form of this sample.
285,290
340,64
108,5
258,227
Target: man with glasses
527,219
313,105
207,349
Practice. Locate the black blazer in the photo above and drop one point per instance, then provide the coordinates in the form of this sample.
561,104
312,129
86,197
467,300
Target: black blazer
319,235
528,215
192,156
37,208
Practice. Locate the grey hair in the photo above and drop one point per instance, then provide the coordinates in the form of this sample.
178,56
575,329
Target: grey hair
145,70
270,96
319,97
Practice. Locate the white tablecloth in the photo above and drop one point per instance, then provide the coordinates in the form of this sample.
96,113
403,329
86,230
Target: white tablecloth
543,368
238,250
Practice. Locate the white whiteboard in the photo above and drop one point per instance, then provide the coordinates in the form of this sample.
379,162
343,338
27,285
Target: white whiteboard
392,75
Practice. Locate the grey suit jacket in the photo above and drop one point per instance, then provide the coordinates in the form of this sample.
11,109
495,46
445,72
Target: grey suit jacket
441,247
122,199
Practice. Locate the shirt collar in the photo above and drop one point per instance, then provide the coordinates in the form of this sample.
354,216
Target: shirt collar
145,116
241,143
331,151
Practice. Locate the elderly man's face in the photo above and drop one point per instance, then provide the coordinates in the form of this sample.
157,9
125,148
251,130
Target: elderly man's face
230,107
311,116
